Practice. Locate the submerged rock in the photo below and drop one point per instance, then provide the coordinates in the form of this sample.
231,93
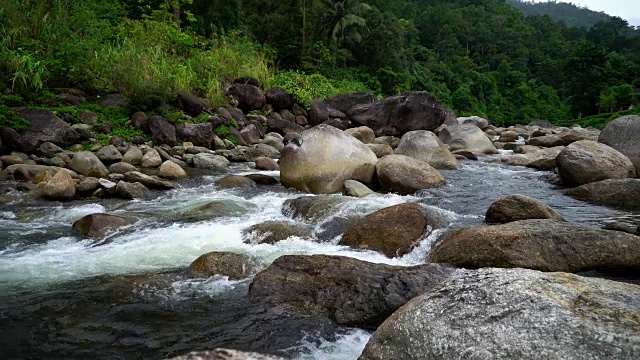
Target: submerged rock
270,232
262,179
235,266
519,207
225,354
393,231
356,189
351,292
544,245
513,314
311,208
234,181
99,226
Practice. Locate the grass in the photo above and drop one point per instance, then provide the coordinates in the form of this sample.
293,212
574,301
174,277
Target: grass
599,121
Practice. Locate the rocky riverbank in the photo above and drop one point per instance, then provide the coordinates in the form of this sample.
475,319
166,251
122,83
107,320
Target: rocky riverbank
363,147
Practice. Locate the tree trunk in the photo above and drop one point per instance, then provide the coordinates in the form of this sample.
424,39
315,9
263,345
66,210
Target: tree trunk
176,16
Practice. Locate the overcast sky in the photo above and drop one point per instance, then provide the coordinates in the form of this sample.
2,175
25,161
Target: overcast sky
626,9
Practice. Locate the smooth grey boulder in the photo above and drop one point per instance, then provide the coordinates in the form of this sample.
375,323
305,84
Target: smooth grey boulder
587,161
482,123
131,190
356,189
381,150
426,146
87,164
210,161
542,159
60,187
623,134
362,133
544,245
467,137
152,182
133,156
235,266
109,154
322,158
151,159
172,171
405,175
121,168
513,314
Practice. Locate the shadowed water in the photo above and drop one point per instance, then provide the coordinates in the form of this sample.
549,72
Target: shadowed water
129,297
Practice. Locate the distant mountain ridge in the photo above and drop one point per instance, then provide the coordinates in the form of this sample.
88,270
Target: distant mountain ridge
570,14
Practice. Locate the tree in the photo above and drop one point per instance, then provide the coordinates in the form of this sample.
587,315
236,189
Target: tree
342,15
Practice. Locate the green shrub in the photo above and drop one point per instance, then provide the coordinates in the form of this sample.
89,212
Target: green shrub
10,120
303,87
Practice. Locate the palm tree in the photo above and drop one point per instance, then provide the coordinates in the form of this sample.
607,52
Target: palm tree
342,15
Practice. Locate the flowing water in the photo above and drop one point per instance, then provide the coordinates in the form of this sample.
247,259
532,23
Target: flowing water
129,298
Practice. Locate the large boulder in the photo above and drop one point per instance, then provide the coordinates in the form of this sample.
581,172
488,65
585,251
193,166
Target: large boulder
426,146
235,266
279,99
482,123
544,245
249,97
362,133
587,161
513,314
322,158
44,126
60,187
210,161
619,193
519,207
345,102
351,292
192,105
151,159
467,137
197,134
572,135
99,226
162,131
393,231
399,114
546,141
87,164
172,171
405,175
623,134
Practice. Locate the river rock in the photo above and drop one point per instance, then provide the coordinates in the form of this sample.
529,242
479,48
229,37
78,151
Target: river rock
346,101
623,134
425,146
87,164
250,134
544,245
270,232
151,159
541,123
210,161
162,131
197,134
131,190
542,159
283,127
513,314
311,208
8,160
60,187
235,266
152,182
214,209
50,150
405,175
519,207
351,292
467,137
249,97
99,226
587,161
265,163
399,114
121,168
318,112
356,189
481,123
88,185
261,179
133,156
225,354
322,158
393,231
264,150
234,181
192,105
274,142
546,141
362,133
576,134
619,193
44,126
172,171
279,99
109,154
381,150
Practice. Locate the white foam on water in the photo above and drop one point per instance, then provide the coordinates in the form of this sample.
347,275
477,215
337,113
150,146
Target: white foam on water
348,345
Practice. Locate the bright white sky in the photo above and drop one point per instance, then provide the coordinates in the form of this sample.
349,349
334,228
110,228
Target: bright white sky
626,9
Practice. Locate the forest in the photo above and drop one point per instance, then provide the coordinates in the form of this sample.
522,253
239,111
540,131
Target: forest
479,57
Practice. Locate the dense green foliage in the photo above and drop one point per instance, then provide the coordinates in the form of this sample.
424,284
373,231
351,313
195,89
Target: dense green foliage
481,57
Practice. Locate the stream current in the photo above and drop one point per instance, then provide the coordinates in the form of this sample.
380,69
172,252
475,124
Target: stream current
129,297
